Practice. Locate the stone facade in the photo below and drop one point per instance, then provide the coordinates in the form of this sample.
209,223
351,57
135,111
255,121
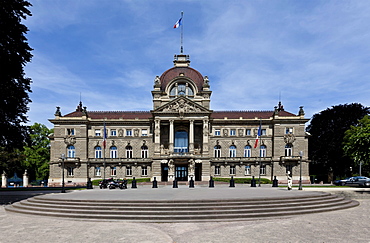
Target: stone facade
181,137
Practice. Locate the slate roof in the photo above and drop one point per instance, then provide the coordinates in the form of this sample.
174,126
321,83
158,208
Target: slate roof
188,72
148,114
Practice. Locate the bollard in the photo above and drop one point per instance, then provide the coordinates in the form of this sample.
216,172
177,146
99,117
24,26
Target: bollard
191,182
155,183
174,183
253,182
275,182
89,184
211,182
133,183
232,182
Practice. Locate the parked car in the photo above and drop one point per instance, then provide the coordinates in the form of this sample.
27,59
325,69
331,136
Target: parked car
354,181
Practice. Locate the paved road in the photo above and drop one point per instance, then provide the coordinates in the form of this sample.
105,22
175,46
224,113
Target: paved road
338,226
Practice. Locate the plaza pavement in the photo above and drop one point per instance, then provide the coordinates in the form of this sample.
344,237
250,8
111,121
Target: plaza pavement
349,225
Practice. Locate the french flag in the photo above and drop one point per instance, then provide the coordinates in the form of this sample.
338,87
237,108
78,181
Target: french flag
104,137
178,23
257,138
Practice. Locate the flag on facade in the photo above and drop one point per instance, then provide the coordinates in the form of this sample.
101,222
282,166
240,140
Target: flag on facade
178,23
258,136
104,137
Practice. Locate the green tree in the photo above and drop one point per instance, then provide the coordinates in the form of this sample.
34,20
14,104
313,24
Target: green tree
357,143
37,153
325,145
14,54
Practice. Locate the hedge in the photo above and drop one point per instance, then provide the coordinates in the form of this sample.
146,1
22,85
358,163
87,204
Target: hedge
242,180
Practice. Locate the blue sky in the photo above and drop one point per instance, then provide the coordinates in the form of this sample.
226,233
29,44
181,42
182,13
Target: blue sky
314,53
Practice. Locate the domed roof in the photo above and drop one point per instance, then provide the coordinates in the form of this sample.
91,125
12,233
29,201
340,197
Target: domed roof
182,72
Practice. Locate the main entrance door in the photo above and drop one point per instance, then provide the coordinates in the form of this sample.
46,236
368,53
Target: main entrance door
181,173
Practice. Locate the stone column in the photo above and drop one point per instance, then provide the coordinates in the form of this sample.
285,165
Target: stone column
157,136
25,179
3,180
205,136
191,137
171,136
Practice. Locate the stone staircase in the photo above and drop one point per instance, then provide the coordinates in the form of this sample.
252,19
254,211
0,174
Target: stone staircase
181,210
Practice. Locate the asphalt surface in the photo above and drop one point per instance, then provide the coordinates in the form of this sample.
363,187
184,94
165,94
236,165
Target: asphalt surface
338,226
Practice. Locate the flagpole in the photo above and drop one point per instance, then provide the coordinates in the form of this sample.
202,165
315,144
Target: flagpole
181,38
260,140
104,145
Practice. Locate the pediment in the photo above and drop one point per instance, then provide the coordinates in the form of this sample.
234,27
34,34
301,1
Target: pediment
182,105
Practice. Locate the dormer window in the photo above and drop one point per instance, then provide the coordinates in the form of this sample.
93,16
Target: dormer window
181,89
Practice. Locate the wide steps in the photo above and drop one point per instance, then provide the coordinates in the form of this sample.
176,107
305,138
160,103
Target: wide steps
180,211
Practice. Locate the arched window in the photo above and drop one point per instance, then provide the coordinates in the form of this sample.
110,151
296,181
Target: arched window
247,151
71,151
263,151
289,150
98,152
232,151
129,152
144,151
181,89
181,142
217,149
113,152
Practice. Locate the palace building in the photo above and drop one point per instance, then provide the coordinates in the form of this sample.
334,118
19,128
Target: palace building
181,137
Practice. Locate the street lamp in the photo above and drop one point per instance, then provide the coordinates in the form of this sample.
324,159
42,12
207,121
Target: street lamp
300,170
63,158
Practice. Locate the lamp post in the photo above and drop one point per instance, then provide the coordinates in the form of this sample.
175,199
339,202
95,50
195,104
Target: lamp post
300,170
63,158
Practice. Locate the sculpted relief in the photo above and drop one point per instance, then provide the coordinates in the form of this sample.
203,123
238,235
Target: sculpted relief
181,107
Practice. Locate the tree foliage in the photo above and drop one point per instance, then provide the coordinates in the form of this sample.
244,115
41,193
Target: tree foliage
37,153
327,130
357,142
14,54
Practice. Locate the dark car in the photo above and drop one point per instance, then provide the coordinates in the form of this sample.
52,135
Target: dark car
354,181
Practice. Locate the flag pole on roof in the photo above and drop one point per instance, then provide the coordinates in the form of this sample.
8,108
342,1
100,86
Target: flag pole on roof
177,25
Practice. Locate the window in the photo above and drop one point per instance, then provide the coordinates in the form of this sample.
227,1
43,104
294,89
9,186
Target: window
97,133
263,132
70,171
217,132
113,132
129,152
128,132
217,149
113,152
232,170
248,132
113,171
247,169
181,89
232,132
217,170
232,151
97,171
288,150
247,151
263,151
263,169
70,131
71,152
144,170
144,152
144,132
289,130
98,152
128,171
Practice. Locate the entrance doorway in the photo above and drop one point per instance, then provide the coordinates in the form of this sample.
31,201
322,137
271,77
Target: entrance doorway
181,173
198,172
164,173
